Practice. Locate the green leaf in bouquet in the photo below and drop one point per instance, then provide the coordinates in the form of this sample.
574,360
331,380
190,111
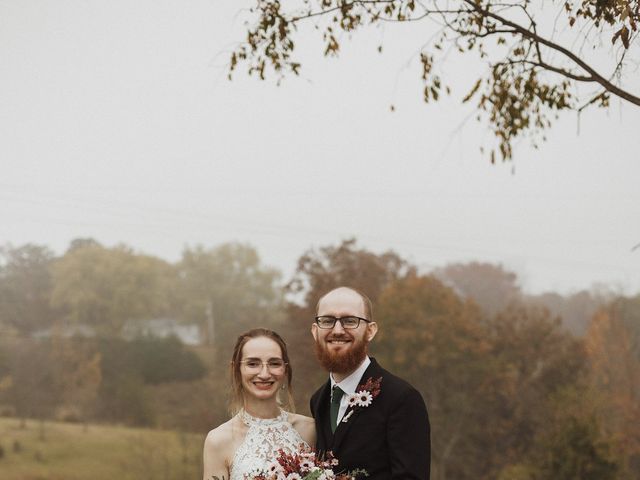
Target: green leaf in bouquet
358,472
313,475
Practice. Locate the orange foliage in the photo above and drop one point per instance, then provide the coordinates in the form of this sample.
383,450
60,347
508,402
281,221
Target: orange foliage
615,374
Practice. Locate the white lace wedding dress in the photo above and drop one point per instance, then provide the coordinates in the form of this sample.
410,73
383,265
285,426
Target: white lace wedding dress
260,447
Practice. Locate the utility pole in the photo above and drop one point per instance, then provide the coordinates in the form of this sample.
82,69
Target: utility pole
210,322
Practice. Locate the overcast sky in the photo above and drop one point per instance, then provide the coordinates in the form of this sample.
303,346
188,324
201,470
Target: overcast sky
117,122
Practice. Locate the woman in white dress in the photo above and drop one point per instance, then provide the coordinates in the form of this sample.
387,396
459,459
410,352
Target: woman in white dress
250,440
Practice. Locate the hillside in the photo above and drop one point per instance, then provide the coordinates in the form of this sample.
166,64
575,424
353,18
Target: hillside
62,451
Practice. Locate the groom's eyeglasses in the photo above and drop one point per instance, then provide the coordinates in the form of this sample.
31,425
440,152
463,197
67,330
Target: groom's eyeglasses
275,365
327,321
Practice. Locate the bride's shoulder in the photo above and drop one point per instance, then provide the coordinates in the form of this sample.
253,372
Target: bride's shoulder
297,419
305,426
223,435
216,452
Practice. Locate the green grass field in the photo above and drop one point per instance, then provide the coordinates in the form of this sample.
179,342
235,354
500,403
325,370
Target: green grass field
69,452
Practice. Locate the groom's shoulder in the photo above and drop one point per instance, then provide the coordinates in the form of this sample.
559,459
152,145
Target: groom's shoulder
395,387
319,390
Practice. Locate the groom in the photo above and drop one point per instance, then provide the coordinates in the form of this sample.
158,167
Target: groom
384,429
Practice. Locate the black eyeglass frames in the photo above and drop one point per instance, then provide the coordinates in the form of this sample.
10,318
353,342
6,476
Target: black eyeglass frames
348,322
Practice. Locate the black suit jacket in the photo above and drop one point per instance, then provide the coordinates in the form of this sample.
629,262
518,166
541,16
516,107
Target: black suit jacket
390,438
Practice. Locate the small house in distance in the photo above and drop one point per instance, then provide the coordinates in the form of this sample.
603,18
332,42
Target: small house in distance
162,328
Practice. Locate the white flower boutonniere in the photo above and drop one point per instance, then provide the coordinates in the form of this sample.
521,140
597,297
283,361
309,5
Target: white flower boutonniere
365,393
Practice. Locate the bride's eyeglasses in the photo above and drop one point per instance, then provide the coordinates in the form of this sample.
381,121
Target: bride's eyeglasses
253,365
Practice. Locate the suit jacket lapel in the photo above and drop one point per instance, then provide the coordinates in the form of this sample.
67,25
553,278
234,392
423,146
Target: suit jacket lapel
323,427
373,370
343,427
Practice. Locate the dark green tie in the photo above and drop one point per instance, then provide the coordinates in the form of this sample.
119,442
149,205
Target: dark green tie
336,395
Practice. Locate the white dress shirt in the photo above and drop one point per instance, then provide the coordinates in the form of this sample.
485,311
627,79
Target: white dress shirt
349,385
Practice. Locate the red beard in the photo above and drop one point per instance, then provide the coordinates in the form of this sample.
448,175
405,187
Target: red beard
343,362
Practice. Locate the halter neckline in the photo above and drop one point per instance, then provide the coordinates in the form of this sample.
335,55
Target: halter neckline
250,420
265,437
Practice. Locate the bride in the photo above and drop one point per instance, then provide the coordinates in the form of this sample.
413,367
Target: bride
260,370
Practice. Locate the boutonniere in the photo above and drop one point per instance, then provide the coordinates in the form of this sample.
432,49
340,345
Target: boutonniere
364,396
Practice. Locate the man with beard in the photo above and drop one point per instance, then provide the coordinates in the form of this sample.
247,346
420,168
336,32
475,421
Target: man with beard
367,417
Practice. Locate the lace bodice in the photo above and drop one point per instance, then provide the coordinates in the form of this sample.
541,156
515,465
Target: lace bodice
262,442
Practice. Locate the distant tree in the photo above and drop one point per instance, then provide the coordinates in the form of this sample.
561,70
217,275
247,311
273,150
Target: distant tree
79,243
106,287
318,271
33,392
161,360
134,371
487,381
196,406
535,61
77,373
5,370
25,287
226,290
571,444
573,450
122,396
125,399
431,337
575,310
613,346
490,286
535,359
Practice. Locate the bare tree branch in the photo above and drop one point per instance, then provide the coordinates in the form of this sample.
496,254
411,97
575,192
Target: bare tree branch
554,46
512,95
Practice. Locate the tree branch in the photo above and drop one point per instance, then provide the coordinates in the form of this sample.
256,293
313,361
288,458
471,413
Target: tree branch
554,46
561,71
319,13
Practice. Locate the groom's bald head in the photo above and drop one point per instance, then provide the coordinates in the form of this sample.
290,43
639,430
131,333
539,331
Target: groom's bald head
347,294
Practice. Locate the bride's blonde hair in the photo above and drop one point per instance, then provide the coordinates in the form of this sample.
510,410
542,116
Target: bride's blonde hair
237,394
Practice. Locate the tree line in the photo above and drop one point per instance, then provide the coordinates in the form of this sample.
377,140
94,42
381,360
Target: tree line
518,387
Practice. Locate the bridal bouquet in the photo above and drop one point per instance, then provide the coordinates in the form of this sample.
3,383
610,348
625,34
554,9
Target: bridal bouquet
303,465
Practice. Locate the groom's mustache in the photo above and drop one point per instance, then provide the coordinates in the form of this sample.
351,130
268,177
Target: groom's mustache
343,336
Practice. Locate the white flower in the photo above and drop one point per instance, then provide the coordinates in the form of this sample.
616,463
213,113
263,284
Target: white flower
274,468
329,473
334,462
364,398
306,466
308,455
353,400
294,476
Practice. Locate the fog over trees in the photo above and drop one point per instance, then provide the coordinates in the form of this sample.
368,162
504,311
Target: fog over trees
518,386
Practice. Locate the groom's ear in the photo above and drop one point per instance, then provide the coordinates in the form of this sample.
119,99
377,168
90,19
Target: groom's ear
314,331
372,329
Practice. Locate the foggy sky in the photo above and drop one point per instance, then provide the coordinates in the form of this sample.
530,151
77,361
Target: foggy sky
117,122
